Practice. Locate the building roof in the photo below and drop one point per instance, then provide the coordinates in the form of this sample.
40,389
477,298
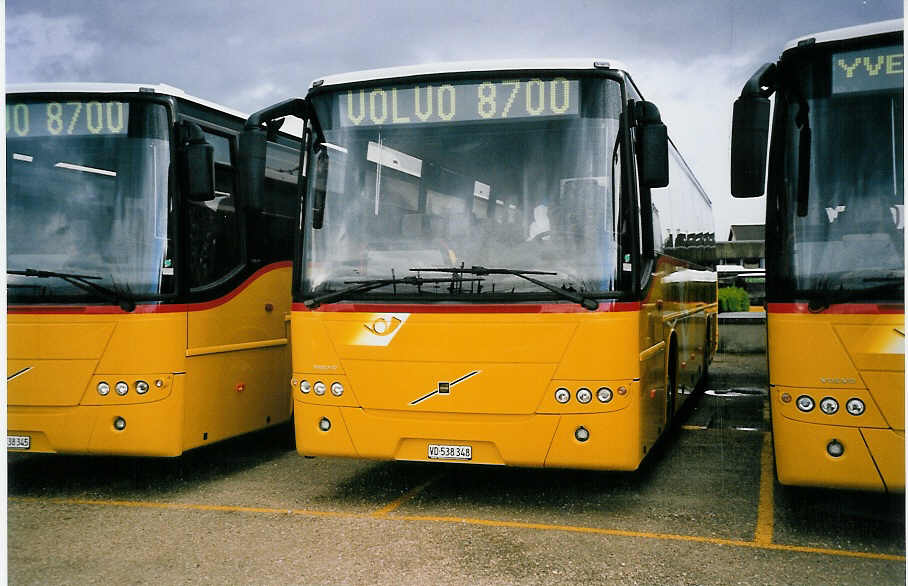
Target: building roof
568,64
747,232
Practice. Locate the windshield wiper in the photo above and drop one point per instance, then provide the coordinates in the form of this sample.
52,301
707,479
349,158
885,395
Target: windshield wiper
369,284
84,282
584,301
823,298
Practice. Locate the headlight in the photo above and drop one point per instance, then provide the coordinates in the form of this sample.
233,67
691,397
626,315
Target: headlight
122,388
829,406
319,388
805,403
103,389
855,406
141,387
305,386
337,389
584,395
604,394
562,395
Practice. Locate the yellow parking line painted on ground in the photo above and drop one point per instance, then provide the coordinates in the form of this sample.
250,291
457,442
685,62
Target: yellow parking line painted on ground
765,512
466,521
661,536
395,504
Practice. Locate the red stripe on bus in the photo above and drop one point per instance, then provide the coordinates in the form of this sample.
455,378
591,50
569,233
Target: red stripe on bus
145,307
839,308
470,308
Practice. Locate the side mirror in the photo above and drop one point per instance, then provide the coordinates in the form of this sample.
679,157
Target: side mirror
320,192
252,148
197,158
750,134
652,145
749,140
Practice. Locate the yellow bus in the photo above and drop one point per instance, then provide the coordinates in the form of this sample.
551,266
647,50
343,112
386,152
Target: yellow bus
493,266
147,294
834,252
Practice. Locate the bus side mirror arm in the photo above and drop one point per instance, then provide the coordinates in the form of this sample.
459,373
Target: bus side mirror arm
750,133
261,127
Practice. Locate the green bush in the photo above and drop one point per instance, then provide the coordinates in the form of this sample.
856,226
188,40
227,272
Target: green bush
733,299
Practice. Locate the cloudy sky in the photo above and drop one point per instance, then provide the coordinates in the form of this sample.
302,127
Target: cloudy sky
689,57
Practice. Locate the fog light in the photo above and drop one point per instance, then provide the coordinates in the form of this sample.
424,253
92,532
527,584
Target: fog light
119,424
855,406
582,434
584,395
122,388
805,403
604,394
141,387
835,448
829,406
319,388
324,424
562,395
337,389
103,389
305,386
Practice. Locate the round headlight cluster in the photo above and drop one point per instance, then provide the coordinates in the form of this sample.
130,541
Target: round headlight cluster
319,388
585,395
828,405
122,387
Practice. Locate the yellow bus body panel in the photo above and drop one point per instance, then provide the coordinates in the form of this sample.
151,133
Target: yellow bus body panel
235,384
841,356
488,380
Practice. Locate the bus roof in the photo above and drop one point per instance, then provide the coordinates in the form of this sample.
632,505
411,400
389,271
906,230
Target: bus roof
851,32
567,64
110,88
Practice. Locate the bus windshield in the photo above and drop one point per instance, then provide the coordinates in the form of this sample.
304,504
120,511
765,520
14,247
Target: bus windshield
852,238
86,194
516,173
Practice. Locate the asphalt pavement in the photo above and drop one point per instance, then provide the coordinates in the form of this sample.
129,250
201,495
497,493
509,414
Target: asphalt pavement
703,509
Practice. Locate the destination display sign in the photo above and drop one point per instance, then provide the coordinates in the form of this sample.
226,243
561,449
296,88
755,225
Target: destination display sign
867,70
66,118
459,102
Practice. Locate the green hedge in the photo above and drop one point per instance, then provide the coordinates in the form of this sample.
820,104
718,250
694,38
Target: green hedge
733,299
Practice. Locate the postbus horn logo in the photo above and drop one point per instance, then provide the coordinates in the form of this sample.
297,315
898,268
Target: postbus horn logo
444,387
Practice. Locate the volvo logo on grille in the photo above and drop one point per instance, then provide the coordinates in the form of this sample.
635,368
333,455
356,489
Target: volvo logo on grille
838,381
444,387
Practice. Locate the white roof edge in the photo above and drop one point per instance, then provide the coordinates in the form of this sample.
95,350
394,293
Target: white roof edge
566,64
851,32
110,88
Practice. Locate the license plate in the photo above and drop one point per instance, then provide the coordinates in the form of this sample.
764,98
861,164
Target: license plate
440,452
18,442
